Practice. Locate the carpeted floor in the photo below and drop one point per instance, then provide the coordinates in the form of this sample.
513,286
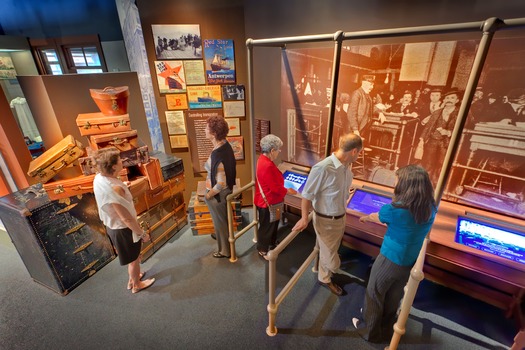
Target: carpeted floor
199,302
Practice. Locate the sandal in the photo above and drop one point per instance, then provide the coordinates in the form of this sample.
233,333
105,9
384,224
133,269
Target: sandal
263,254
219,255
130,283
147,284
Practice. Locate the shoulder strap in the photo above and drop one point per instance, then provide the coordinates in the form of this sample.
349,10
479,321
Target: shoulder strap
262,194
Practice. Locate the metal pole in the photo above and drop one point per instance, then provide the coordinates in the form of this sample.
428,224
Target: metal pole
416,275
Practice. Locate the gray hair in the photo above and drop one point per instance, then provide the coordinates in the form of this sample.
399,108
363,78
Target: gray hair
270,142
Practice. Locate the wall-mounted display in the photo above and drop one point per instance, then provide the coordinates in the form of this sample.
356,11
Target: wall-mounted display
234,109
194,71
237,143
405,97
170,76
234,125
200,146
232,92
178,141
175,121
220,61
176,101
177,41
262,128
204,96
7,68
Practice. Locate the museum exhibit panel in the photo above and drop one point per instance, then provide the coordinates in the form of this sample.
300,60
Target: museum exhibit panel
408,74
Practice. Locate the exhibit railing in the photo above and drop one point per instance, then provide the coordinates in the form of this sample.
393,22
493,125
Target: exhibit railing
232,235
488,29
273,300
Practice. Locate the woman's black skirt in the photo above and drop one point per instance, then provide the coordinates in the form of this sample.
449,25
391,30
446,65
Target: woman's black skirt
122,240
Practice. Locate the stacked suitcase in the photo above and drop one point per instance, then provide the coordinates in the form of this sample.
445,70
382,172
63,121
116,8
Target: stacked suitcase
199,213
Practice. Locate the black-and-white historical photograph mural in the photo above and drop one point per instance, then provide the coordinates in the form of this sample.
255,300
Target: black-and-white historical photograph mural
404,99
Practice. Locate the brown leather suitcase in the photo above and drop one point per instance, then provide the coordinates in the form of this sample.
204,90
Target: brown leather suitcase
138,187
98,123
55,159
70,187
153,172
111,100
132,150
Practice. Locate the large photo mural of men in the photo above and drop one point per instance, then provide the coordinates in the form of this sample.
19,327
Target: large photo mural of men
403,99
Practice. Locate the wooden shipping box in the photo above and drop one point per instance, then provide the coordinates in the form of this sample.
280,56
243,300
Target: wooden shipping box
55,159
98,123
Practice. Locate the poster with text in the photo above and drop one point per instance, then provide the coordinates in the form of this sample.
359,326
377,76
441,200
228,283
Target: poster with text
237,143
178,141
175,121
234,109
220,61
200,146
204,96
176,101
234,125
194,71
170,76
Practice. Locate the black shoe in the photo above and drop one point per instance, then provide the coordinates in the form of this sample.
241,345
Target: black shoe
213,236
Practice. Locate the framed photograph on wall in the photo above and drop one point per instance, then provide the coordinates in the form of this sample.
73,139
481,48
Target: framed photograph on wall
237,143
7,68
232,92
220,61
170,76
175,121
178,141
204,96
194,71
177,41
176,101
234,125
234,109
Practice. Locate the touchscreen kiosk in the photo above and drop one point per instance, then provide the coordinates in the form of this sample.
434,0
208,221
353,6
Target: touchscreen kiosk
364,203
294,180
494,238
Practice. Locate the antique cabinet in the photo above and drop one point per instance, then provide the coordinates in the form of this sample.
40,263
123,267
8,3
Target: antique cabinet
61,242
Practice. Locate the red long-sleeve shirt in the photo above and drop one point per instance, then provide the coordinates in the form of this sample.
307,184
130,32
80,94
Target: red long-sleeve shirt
272,183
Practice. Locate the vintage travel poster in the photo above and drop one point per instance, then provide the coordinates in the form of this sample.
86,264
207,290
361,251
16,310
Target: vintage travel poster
194,71
220,61
237,143
204,96
170,76
176,101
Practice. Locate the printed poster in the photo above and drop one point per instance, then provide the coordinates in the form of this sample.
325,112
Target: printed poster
200,146
220,61
234,125
194,72
237,144
234,109
176,101
175,121
204,96
170,76
178,141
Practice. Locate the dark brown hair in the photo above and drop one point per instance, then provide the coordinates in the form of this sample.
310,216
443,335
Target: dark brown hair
414,192
106,158
218,127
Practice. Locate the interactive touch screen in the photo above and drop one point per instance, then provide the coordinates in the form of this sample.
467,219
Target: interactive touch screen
491,238
294,180
367,202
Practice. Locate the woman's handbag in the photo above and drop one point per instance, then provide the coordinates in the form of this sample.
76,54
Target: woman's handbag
276,210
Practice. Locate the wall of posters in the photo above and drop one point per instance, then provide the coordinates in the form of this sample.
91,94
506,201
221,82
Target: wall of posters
194,71
177,41
175,121
170,76
204,96
200,146
220,61
176,101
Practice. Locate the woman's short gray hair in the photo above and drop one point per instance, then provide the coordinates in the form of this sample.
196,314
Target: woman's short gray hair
270,142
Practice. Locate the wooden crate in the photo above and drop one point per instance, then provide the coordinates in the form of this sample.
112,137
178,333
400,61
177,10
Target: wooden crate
200,217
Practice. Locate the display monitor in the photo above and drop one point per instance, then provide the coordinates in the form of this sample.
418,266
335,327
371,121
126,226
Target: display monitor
491,237
365,202
294,180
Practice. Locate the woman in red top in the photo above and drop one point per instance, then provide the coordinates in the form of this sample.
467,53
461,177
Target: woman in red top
271,181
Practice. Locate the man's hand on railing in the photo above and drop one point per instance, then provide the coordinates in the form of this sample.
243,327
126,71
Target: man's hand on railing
301,224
